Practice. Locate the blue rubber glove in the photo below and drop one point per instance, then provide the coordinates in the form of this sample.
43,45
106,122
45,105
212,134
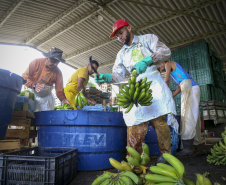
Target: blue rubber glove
103,78
142,65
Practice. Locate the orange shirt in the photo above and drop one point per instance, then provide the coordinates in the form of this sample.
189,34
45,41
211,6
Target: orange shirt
38,73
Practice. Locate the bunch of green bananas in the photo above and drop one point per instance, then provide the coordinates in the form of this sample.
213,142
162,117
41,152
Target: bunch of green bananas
80,100
218,152
135,163
125,178
136,93
137,160
168,174
64,107
202,180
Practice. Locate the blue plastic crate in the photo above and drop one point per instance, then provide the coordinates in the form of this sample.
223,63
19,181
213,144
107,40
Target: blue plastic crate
21,100
38,165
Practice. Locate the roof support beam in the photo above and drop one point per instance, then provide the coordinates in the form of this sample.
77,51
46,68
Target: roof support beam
147,25
106,64
89,48
12,9
198,37
179,43
222,56
73,23
54,21
183,12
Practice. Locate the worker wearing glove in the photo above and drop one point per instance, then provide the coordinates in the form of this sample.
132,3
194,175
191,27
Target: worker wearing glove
78,81
140,52
103,78
142,65
41,75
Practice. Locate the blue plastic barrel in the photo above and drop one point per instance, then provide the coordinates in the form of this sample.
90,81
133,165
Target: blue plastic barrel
97,135
152,141
10,86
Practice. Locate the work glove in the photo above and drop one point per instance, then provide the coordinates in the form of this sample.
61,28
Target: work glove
142,65
103,78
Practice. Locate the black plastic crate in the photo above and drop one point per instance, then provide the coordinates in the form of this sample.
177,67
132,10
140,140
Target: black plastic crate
38,166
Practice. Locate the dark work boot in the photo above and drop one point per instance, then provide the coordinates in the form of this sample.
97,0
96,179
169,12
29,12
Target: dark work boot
188,148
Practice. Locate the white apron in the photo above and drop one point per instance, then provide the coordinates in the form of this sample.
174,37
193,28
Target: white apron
44,99
163,102
190,120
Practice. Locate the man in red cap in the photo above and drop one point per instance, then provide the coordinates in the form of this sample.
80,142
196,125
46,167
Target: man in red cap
41,75
140,52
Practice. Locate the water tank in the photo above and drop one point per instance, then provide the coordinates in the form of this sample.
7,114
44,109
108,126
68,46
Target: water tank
10,86
97,135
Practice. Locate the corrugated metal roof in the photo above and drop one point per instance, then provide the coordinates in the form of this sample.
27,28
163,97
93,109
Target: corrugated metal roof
70,25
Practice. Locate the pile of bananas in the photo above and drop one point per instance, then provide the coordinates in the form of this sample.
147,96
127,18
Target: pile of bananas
64,107
218,152
167,174
125,178
135,163
80,100
136,93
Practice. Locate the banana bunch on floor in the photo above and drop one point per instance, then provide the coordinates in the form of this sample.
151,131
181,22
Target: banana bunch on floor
135,163
123,178
218,152
63,107
138,161
80,100
202,180
136,93
165,174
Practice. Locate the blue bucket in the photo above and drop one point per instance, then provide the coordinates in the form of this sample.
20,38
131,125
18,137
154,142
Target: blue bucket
152,141
10,86
97,135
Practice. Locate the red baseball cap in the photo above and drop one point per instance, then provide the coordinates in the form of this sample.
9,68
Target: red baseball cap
118,24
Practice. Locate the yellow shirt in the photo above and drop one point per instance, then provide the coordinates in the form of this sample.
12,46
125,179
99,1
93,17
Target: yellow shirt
79,73
71,89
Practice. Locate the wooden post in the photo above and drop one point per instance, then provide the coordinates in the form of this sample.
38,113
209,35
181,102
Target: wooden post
27,94
104,105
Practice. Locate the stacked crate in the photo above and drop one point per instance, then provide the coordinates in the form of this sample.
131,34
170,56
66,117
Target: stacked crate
97,95
94,93
104,96
205,68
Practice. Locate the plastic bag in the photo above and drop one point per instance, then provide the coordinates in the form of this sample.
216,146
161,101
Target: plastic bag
44,99
136,135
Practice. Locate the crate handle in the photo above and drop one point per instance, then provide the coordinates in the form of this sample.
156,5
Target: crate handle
71,115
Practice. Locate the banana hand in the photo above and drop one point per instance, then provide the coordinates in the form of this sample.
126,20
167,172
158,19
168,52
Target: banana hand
116,164
134,153
179,167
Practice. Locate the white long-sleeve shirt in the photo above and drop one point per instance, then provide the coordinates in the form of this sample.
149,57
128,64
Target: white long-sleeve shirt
149,44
